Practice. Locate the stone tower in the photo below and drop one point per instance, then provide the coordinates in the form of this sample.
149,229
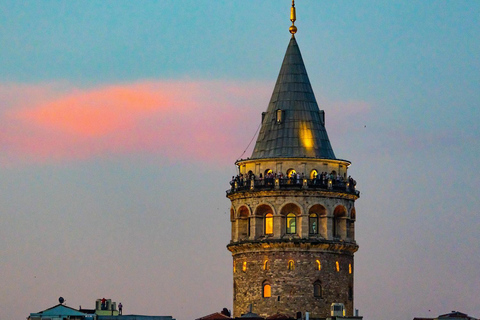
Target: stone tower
293,212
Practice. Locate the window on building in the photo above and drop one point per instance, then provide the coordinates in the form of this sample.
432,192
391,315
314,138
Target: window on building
337,266
268,223
279,114
317,289
234,267
313,223
244,266
350,268
291,223
350,293
291,173
319,265
266,265
267,289
313,174
291,265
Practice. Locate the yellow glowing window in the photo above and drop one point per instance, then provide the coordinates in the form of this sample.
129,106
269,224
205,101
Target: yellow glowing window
279,116
266,265
350,268
244,266
234,268
291,173
268,223
314,174
319,265
337,265
291,265
267,290
291,223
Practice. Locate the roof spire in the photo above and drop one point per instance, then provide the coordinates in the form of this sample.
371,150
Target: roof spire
293,17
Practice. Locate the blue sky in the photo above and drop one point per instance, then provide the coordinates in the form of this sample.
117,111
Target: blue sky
121,122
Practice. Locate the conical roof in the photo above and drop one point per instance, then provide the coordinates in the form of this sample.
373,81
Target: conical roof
293,125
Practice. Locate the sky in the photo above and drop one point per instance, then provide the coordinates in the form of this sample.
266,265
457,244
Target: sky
122,120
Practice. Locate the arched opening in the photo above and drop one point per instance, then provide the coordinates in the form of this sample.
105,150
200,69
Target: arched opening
351,225
313,174
266,212
266,289
318,265
317,289
320,219
337,266
291,265
244,266
243,222
339,222
266,265
291,215
291,173
269,223
313,223
291,223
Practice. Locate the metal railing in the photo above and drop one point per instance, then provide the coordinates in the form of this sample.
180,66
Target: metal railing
292,184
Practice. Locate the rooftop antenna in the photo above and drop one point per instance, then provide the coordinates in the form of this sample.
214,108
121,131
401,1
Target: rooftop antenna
293,18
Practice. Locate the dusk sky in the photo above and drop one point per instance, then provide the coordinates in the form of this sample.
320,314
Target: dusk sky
121,122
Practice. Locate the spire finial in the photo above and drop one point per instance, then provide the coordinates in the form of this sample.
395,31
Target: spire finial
293,17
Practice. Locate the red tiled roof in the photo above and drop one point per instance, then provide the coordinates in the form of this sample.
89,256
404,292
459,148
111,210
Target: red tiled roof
214,316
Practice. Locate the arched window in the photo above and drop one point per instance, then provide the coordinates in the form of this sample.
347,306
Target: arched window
350,268
291,223
313,223
317,289
337,266
319,265
244,266
291,173
291,265
267,289
234,266
266,265
313,174
268,223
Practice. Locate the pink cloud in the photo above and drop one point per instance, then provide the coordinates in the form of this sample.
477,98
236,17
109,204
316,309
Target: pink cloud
177,120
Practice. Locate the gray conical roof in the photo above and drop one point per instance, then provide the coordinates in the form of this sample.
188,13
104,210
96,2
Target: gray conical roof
301,131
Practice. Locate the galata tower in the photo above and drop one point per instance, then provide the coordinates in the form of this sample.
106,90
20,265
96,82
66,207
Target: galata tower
293,208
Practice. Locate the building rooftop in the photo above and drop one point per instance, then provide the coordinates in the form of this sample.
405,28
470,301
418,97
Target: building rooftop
293,125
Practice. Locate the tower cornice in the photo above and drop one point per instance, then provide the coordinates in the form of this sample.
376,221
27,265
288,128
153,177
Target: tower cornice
274,245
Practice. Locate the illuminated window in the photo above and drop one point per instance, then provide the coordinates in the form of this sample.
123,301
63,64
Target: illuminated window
313,223
291,173
244,266
319,265
267,290
337,266
234,267
279,114
350,268
313,174
268,223
291,265
317,289
291,222
266,265
268,171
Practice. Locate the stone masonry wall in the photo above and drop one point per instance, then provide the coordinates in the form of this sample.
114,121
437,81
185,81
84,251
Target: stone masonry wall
292,290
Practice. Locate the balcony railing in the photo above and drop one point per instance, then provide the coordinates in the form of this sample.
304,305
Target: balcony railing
292,184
